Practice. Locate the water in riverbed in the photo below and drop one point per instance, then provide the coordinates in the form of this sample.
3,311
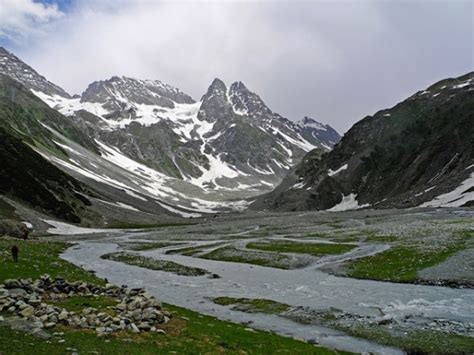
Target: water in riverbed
308,287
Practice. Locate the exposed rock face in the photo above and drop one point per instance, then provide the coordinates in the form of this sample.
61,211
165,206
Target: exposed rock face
419,152
215,105
230,140
118,93
15,68
207,156
230,136
312,129
13,229
137,311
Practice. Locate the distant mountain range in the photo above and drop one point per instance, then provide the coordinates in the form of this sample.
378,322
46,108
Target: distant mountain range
417,153
147,137
229,136
142,151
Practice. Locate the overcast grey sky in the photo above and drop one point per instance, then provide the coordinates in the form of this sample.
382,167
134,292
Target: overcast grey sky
337,61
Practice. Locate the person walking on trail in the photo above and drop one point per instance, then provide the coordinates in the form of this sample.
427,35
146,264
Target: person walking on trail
15,253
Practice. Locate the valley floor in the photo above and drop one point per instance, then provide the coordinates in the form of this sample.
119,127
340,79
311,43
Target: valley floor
360,281
187,332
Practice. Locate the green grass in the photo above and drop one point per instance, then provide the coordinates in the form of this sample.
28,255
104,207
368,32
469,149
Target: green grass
465,220
190,251
148,246
154,264
348,238
252,305
465,235
317,249
399,263
422,342
78,303
37,258
241,256
188,332
417,342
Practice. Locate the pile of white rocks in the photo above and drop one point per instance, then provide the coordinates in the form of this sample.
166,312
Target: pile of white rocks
137,310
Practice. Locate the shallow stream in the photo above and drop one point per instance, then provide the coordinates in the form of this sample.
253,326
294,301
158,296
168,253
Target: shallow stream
308,287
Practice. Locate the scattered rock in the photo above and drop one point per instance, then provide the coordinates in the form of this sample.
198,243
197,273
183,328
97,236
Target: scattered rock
24,297
134,328
27,311
385,321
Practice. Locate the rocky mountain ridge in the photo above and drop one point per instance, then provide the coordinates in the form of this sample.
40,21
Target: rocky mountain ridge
417,153
147,147
15,68
228,140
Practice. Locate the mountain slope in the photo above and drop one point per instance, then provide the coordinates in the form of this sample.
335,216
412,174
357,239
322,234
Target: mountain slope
15,68
117,180
124,189
405,156
148,147
229,140
312,129
26,176
26,116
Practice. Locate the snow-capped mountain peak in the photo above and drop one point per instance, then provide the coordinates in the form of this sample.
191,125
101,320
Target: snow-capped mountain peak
311,122
246,102
118,93
323,132
217,88
229,141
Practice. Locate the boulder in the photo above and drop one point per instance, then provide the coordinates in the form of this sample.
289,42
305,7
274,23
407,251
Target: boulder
144,326
13,229
27,312
63,315
134,328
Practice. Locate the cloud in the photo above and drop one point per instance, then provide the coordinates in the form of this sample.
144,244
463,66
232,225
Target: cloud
335,60
23,18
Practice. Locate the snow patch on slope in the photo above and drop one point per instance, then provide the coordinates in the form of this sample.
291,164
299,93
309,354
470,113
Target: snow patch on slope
300,142
181,213
456,198
349,202
337,171
61,228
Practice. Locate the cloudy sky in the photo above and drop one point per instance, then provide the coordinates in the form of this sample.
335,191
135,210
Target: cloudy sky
337,61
